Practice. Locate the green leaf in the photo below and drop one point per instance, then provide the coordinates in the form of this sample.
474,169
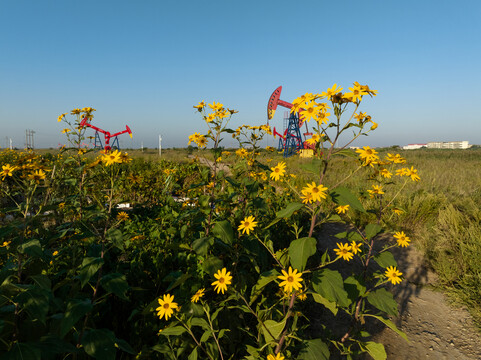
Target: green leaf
76,309
89,267
116,237
200,322
212,264
31,248
22,351
52,344
36,302
206,335
100,344
354,288
42,281
201,246
275,329
193,355
314,349
376,350
384,301
390,325
125,346
179,280
385,259
330,285
343,196
300,250
115,283
290,209
323,301
223,230
264,279
372,230
173,330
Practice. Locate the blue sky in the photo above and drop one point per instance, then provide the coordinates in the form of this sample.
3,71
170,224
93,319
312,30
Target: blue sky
146,63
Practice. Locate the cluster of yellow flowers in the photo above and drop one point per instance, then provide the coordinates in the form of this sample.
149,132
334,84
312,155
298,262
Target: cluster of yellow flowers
309,107
28,167
87,111
200,140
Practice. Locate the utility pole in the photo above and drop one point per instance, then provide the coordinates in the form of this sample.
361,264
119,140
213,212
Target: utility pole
160,145
29,139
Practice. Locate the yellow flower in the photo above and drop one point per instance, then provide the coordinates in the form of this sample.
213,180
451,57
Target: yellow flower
367,154
385,173
301,295
393,275
413,173
291,280
306,196
216,106
342,209
75,111
355,248
248,224
344,251
242,152
309,111
55,253
5,244
332,91
277,357
167,306
278,171
37,175
60,117
397,159
374,125
209,118
122,216
376,190
402,239
201,141
65,131
7,170
223,279
193,137
112,158
357,91
318,192
322,117
314,139
201,106
397,211
198,295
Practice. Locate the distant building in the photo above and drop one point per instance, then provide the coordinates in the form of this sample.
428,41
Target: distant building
414,146
449,145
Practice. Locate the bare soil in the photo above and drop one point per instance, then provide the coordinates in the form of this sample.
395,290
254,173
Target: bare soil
435,329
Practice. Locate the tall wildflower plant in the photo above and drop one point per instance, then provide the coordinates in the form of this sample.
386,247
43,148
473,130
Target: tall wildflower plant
262,283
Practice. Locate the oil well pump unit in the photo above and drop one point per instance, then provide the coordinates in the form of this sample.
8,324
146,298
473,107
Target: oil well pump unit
107,136
291,141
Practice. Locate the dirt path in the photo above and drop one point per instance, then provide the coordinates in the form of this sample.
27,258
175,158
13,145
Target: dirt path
435,329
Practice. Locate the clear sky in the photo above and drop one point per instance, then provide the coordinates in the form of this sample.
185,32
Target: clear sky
145,63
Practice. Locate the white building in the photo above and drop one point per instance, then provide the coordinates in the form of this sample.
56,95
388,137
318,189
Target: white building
449,145
414,146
